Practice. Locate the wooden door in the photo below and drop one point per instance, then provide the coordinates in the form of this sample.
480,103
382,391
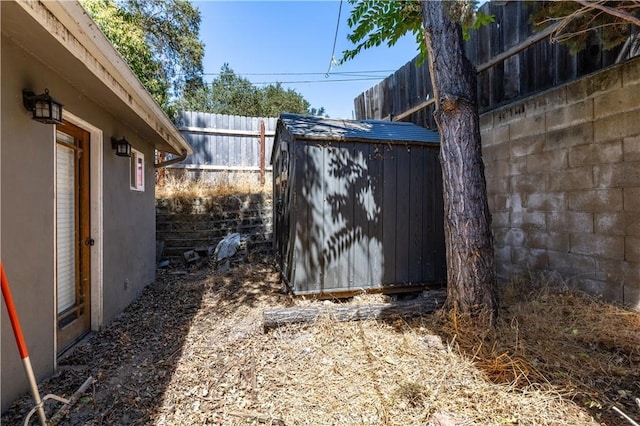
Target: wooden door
73,241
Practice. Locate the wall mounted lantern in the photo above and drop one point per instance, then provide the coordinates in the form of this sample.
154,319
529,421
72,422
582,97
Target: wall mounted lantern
122,147
44,108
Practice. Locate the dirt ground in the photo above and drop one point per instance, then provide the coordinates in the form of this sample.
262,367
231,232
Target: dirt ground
191,350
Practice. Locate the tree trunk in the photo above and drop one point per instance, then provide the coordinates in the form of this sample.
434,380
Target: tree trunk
471,279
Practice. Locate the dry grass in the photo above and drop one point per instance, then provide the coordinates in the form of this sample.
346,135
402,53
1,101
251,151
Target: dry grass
183,187
192,351
550,337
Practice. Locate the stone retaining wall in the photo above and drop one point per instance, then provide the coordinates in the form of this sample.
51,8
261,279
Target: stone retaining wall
185,224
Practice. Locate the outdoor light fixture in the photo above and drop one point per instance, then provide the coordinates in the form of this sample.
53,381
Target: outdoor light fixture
122,147
44,108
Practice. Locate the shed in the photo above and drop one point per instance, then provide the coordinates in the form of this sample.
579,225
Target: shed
358,205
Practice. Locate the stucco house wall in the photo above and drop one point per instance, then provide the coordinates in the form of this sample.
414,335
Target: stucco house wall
122,219
27,243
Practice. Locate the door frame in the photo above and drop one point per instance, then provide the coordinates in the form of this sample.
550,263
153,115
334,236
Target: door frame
96,221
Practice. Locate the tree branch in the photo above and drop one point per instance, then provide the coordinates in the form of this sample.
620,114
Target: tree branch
611,11
560,37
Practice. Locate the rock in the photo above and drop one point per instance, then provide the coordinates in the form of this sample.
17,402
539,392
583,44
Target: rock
431,341
191,256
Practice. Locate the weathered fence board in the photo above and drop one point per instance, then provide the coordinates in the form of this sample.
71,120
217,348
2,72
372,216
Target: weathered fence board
224,141
538,66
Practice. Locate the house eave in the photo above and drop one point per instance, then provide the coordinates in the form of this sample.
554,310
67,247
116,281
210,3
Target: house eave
70,25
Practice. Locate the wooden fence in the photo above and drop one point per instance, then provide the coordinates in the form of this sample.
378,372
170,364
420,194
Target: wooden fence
513,62
224,144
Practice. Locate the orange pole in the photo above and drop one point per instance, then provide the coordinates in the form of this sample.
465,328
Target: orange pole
22,346
13,314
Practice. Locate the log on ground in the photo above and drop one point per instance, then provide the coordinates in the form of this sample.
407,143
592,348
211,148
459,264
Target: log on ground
427,304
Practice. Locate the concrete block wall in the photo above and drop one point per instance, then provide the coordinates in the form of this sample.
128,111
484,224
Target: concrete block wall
563,177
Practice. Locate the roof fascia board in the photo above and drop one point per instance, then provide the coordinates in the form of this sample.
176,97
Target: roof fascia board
71,26
330,139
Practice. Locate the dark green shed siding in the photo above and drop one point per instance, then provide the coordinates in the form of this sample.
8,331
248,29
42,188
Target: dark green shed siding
354,213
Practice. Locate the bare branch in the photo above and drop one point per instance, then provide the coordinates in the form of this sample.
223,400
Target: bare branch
559,37
611,11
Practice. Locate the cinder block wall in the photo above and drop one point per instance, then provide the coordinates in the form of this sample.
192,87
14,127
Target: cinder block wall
563,177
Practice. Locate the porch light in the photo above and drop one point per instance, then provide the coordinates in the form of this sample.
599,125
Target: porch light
122,147
44,108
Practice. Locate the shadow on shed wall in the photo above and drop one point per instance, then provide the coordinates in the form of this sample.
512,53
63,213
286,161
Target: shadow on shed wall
368,215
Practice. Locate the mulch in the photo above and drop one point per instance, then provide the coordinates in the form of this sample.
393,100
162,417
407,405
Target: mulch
191,350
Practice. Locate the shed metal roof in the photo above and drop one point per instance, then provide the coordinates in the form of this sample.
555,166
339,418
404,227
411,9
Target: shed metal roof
320,128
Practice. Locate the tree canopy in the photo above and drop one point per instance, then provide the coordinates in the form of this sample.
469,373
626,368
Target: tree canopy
230,93
377,22
159,40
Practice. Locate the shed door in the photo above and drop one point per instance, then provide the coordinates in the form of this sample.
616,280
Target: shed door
73,241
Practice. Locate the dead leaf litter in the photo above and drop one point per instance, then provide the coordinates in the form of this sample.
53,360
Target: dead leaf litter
191,351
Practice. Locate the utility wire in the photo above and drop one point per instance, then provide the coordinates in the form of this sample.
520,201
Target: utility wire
319,81
335,39
305,73
314,81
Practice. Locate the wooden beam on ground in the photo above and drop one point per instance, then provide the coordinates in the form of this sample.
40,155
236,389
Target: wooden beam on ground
426,304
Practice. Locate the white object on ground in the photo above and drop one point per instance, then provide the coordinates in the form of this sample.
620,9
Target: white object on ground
228,246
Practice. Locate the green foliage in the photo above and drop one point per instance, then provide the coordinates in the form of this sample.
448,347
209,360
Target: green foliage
318,111
159,40
480,19
577,20
172,31
129,40
232,94
276,99
377,22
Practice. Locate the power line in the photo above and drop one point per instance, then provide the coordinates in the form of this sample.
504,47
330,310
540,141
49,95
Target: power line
315,81
320,81
335,39
305,73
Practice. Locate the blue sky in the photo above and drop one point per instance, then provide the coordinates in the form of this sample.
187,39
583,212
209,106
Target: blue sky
278,37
